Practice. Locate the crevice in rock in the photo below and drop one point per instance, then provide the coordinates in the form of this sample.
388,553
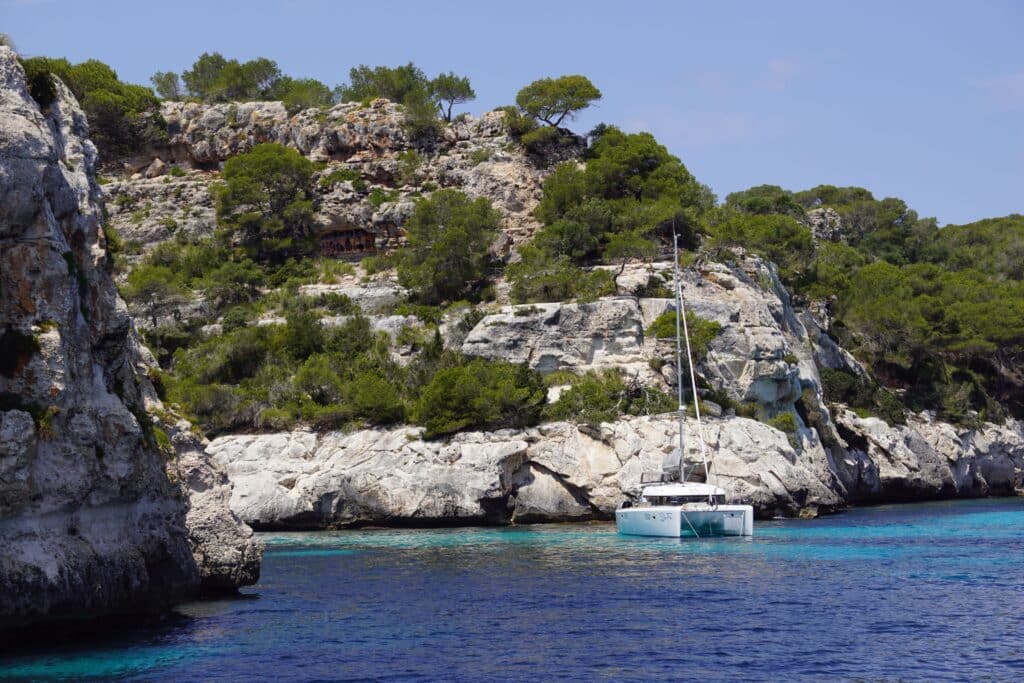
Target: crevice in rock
578,493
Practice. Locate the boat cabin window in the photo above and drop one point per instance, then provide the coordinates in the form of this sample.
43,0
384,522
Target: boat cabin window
682,500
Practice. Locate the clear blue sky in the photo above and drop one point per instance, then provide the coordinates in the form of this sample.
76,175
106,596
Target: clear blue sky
919,100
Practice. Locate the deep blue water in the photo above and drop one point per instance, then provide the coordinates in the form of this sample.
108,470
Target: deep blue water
917,592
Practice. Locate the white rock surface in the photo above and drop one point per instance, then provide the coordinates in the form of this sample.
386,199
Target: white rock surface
927,459
763,353
549,473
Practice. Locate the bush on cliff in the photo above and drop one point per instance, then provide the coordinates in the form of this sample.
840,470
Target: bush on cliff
123,118
480,394
424,99
596,397
265,204
611,210
701,330
447,254
540,277
631,185
213,78
777,237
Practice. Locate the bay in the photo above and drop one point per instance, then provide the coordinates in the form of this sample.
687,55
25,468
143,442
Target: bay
930,591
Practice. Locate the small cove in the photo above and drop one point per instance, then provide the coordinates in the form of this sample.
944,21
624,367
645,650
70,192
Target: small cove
931,591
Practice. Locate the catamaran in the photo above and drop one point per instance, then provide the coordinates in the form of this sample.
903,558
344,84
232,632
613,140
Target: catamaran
671,505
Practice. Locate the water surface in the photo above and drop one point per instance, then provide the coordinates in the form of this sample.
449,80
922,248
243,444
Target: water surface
918,592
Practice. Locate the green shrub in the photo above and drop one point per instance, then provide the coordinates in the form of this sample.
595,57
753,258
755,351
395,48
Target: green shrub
595,397
540,277
339,304
480,394
264,205
447,254
375,399
122,117
235,318
864,397
779,238
378,263
378,197
427,313
342,175
540,140
784,422
176,172
317,379
480,156
163,442
701,331
113,240
748,409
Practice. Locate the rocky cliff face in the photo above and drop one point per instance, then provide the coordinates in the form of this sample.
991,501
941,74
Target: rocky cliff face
475,155
766,356
763,354
555,472
90,523
765,359
561,472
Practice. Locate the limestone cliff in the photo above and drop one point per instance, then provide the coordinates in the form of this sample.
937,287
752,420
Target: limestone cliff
766,359
766,356
476,155
553,472
90,523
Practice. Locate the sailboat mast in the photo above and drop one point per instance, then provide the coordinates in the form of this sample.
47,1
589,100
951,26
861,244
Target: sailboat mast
679,356
681,313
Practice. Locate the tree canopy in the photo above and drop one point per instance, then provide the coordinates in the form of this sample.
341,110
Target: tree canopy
214,78
122,117
935,312
265,201
447,255
552,100
449,90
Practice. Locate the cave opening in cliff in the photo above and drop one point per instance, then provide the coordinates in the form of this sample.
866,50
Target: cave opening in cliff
347,244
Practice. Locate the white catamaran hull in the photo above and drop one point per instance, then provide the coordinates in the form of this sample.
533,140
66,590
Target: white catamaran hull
676,521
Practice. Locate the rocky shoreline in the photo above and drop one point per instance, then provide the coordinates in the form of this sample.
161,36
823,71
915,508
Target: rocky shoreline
561,472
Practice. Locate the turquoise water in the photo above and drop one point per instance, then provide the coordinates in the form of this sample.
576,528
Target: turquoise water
917,592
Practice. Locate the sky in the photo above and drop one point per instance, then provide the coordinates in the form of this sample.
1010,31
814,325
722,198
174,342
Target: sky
918,100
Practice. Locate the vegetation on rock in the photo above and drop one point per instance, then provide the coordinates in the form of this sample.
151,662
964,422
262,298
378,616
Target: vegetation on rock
266,202
595,397
701,331
552,100
609,211
936,313
447,256
123,118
